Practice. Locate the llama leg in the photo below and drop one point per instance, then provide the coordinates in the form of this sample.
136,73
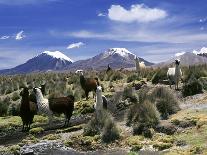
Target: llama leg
86,93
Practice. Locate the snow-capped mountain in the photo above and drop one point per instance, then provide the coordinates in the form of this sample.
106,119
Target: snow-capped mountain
186,59
43,62
116,57
202,52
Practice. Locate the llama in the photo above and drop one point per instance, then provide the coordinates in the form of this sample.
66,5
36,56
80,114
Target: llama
88,84
27,109
108,68
43,104
63,105
101,100
174,74
32,96
137,65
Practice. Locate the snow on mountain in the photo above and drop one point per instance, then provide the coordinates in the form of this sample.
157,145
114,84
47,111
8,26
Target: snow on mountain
179,54
201,52
58,55
116,57
120,51
46,61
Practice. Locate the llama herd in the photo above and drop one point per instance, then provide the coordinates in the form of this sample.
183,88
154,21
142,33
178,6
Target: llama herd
37,103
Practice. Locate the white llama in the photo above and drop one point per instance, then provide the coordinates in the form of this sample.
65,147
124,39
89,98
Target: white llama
43,104
174,74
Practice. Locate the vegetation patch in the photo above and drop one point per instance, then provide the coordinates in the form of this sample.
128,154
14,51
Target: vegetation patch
35,131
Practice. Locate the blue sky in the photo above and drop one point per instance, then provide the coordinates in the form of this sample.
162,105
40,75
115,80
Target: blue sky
154,30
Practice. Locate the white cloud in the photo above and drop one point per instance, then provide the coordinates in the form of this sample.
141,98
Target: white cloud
4,37
75,45
20,35
101,15
137,13
179,54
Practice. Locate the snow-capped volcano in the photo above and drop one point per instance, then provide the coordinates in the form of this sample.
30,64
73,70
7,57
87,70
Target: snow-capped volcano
58,55
202,52
43,62
116,57
120,51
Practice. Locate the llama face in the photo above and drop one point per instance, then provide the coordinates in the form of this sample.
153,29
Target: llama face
99,89
24,92
177,62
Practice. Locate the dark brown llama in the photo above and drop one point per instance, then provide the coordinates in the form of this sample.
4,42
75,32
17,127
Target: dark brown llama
27,109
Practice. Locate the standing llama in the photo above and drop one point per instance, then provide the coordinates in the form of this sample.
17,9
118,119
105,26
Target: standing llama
27,109
88,84
174,74
43,104
55,105
101,100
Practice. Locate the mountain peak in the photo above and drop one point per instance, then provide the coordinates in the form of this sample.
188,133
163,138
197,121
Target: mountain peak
202,51
58,55
120,51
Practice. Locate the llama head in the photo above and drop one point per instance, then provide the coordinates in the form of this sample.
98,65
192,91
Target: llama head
37,91
177,62
24,92
99,89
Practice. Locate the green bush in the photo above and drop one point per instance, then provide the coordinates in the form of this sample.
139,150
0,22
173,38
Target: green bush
13,109
203,81
142,116
192,87
110,132
116,76
3,108
165,101
133,77
129,93
103,125
160,75
15,96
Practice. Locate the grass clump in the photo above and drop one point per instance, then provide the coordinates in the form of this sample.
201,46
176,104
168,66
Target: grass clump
104,126
142,116
160,75
133,77
165,101
51,137
35,131
3,107
192,87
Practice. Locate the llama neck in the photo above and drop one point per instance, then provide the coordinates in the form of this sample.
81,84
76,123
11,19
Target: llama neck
82,80
25,101
39,97
99,100
177,69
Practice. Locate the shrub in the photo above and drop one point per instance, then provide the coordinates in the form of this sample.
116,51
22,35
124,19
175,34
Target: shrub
129,93
3,108
13,109
203,81
160,75
165,101
116,76
133,77
192,87
141,116
15,96
35,131
110,132
103,125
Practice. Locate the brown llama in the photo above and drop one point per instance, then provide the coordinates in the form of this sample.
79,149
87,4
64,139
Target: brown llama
27,109
63,105
88,84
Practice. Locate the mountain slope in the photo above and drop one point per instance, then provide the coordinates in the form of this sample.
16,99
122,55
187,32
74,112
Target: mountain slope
186,59
43,62
116,57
